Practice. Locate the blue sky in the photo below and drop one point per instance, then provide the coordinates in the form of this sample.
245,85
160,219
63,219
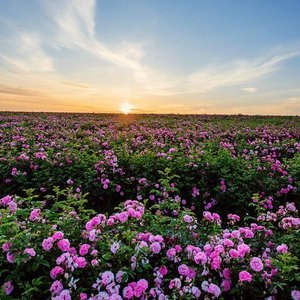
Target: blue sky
154,56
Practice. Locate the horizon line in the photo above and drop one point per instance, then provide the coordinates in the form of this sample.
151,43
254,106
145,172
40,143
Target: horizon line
145,113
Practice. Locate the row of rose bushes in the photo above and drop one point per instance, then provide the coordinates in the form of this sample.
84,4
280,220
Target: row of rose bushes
58,249
217,161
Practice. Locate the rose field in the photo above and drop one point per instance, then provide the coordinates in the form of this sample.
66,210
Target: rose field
111,206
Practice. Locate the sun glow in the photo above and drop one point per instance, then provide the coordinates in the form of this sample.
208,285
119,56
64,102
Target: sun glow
126,108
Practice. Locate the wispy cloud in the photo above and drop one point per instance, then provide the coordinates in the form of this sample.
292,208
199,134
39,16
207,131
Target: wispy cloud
240,71
5,89
76,24
29,55
250,90
75,84
279,106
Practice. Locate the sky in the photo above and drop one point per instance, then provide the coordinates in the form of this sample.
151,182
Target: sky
150,56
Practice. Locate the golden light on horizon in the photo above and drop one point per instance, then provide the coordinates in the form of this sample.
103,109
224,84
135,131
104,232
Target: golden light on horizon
126,108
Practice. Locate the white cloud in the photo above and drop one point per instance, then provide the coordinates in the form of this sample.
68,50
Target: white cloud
29,55
240,71
77,31
250,90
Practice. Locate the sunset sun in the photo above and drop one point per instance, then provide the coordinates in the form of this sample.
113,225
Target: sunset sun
126,108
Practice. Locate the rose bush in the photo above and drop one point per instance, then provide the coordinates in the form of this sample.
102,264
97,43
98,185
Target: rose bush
219,162
214,213
58,249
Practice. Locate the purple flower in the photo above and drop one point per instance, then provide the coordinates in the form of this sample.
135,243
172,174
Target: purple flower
171,253
200,257
155,247
183,270
214,289
8,287
10,257
196,292
58,235
47,244
122,217
187,219
5,200
84,249
295,294
163,270
140,288
57,270
35,214
70,181
56,287
233,253
81,262
12,206
30,252
64,245
119,276
256,264
6,246
245,276
115,247
127,292
243,249
283,248
107,277
64,295
83,296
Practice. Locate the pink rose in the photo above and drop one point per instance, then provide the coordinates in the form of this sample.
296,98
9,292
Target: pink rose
243,249
295,294
140,288
83,296
84,249
64,245
214,289
183,270
5,200
122,217
107,277
47,244
115,247
171,253
163,270
58,235
127,292
35,214
10,257
228,243
233,253
65,295
187,219
283,248
56,287
226,285
245,276
256,264
57,270
155,247
81,262
6,246
8,287
200,257
94,262
30,252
